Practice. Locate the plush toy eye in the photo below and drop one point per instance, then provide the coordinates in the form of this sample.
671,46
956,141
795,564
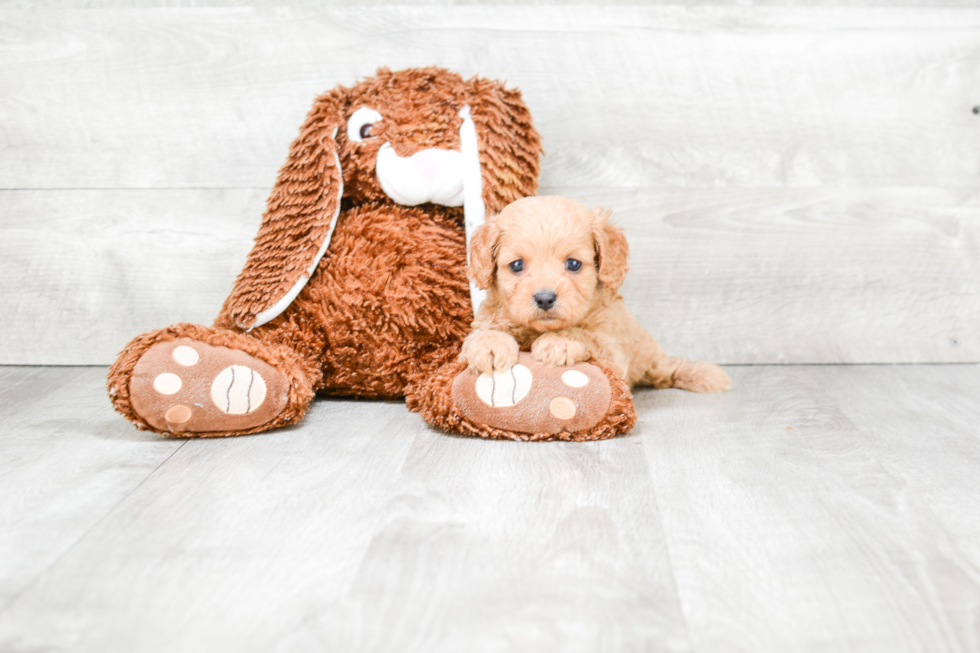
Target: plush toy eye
517,266
573,265
359,125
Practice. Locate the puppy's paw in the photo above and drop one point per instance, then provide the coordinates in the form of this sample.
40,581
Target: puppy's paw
702,377
486,351
553,349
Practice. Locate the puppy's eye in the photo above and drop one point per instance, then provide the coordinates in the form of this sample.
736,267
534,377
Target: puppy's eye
573,265
360,123
517,266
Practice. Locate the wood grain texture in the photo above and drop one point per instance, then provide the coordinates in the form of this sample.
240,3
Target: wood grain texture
86,271
810,508
236,540
800,183
624,97
804,276
501,546
726,275
823,507
66,460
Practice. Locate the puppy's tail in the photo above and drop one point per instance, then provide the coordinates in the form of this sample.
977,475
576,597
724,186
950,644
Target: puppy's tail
673,372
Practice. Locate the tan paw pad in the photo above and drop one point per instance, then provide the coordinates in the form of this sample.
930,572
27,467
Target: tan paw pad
574,379
238,390
167,383
178,414
186,356
504,388
562,408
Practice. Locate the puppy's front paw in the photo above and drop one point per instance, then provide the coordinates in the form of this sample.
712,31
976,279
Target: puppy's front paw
486,351
553,349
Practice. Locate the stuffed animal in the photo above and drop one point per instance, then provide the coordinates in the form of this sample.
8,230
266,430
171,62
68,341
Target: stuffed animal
357,282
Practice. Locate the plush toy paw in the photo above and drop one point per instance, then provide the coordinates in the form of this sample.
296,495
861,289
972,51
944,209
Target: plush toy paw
185,386
533,398
553,349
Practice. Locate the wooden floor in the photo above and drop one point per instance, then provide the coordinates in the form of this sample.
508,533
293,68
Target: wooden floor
811,508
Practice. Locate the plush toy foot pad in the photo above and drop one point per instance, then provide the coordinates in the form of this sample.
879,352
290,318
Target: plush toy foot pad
187,386
533,398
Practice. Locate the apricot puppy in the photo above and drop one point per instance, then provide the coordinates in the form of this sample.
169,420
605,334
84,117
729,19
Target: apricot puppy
552,270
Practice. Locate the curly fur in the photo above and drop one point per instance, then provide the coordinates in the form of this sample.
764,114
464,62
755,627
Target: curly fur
389,300
555,245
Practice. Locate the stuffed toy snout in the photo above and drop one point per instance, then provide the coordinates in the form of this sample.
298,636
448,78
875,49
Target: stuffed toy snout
427,176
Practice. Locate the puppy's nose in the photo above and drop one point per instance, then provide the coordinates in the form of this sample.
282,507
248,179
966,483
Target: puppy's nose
545,299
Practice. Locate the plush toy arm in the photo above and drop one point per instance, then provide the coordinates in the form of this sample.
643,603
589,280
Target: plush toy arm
299,220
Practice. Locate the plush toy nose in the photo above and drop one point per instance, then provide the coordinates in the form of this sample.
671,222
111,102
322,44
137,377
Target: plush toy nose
545,299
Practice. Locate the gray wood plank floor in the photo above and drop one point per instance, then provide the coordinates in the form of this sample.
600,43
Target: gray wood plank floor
811,508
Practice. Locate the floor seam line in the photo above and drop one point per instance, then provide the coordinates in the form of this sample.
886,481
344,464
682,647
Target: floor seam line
667,551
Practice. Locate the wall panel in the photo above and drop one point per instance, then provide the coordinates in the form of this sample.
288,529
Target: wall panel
800,184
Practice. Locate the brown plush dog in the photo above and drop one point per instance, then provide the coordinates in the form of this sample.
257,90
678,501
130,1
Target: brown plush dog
553,269
357,283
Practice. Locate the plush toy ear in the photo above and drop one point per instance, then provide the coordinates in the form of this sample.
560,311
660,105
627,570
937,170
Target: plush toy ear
612,250
500,149
299,220
509,145
483,255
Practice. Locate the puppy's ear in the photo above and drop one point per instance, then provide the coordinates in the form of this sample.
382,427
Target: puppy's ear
298,221
612,250
483,254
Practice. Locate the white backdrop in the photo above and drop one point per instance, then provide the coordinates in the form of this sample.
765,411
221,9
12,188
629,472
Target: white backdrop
799,184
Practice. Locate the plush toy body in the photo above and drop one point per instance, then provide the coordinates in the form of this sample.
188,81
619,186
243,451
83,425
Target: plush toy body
357,282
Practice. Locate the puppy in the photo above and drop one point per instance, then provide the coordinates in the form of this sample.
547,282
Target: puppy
552,269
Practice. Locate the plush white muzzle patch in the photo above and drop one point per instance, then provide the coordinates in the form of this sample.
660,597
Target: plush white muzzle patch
426,176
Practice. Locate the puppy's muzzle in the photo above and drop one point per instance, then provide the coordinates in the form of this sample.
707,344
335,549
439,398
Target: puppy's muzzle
545,299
